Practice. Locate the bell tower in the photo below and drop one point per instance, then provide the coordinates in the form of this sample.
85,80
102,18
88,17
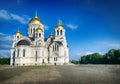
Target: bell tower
39,33
17,35
34,23
60,33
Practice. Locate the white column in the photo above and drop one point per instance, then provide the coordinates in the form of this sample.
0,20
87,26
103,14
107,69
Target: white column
11,57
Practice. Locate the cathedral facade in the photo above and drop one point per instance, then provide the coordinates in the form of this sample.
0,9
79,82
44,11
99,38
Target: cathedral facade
35,49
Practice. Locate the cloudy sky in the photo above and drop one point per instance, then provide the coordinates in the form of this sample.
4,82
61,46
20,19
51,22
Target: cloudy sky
91,25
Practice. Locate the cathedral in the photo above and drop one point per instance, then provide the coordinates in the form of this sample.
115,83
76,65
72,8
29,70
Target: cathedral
35,49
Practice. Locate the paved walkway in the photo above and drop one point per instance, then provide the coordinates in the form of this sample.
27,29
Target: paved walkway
67,74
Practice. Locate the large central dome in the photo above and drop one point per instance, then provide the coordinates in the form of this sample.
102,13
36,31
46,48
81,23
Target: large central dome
35,20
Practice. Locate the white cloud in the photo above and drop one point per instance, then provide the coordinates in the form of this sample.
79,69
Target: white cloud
71,26
4,14
84,53
78,54
10,16
4,53
2,34
110,44
19,18
5,46
6,38
46,27
88,53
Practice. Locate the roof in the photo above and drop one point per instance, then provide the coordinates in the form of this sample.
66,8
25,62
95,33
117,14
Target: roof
31,38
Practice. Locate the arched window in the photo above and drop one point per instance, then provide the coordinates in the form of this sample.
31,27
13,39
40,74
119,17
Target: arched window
17,37
60,32
13,53
36,55
23,42
53,47
48,59
43,61
57,32
36,35
56,58
23,52
18,52
13,57
39,34
31,30
34,31
57,48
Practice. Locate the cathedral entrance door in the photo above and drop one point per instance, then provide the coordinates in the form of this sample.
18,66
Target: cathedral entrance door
55,64
43,61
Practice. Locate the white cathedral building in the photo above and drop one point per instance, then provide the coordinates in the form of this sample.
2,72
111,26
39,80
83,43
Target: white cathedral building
35,49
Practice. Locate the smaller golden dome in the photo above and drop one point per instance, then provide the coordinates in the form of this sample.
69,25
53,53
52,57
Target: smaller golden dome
59,25
18,32
39,29
51,35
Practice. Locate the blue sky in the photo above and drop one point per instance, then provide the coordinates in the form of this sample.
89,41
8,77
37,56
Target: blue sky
91,25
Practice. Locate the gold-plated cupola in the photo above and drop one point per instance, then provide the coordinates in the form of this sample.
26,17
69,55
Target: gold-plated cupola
18,32
39,29
59,25
51,35
35,20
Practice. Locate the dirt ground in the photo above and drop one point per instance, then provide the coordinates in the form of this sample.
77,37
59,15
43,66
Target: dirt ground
67,74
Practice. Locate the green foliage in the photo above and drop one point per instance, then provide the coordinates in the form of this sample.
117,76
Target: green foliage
111,57
91,59
4,60
75,61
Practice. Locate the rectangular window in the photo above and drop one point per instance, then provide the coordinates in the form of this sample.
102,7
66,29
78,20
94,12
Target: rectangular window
36,55
53,47
56,58
18,52
23,52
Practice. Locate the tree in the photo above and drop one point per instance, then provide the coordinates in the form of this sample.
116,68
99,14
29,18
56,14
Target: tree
111,57
4,60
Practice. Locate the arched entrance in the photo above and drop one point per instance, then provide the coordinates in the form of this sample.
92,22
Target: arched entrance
43,61
55,64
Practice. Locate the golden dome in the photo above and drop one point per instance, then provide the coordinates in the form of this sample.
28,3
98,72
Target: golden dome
18,32
35,20
51,35
59,25
39,29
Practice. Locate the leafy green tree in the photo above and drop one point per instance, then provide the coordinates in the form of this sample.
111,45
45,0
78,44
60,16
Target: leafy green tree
75,61
4,60
111,57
